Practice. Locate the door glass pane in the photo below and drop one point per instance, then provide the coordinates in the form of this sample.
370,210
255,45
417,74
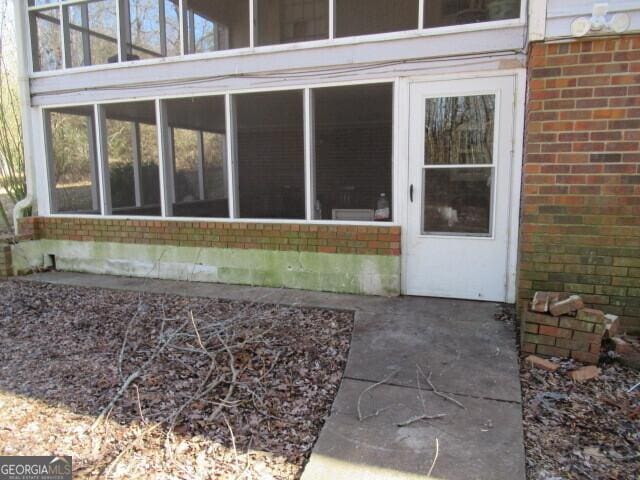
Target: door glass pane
440,13
459,130
457,201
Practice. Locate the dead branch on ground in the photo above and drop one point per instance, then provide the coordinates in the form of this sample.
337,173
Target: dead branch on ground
368,389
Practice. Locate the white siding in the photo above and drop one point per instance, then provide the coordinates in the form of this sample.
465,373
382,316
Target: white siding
560,14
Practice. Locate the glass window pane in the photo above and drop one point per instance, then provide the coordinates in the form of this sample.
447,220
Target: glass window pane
288,21
440,13
457,200
37,3
218,25
363,17
353,152
93,33
152,33
46,42
459,130
75,171
199,140
132,147
270,151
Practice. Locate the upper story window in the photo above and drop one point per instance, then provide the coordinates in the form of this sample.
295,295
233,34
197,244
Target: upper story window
290,21
91,35
442,13
363,17
152,28
219,25
74,33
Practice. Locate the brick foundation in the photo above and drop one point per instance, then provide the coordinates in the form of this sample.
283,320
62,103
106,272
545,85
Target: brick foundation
358,240
580,228
5,260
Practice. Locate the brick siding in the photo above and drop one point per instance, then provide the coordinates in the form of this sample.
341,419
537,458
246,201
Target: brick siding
580,228
5,260
360,240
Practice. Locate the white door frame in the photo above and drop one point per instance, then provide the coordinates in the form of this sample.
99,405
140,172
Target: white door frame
403,170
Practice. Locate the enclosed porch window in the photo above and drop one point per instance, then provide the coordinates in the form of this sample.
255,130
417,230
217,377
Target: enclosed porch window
353,152
73,33
316,154
132,158
197,150
73,165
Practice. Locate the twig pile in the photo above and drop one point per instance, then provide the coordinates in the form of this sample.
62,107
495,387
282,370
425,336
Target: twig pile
140,386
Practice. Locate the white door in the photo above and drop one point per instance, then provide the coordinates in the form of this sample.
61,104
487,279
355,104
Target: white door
460,167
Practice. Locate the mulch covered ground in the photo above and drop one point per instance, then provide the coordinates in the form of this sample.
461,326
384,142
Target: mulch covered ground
157,386
588,430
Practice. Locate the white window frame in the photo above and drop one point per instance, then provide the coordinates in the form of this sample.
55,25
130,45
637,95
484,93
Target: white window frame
419,31
166,179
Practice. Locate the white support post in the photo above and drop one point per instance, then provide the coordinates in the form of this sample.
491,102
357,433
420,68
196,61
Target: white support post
93,164
421,14
309,155
225,164
33,40
332,19
51,171
253,11
137,163
200,165
124,29
232,159
66,37
166,163
162,20
86,37
103,158
191,37
171,157
183,5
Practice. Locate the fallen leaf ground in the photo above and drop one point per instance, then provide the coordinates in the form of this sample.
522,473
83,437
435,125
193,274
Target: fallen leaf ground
217,389
587,430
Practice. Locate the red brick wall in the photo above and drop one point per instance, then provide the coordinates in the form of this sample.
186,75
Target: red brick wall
5,260
581,199
376,240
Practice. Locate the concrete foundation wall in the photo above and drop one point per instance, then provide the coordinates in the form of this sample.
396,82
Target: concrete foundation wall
343,273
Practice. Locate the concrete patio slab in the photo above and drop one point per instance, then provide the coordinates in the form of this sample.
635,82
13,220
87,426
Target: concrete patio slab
472,356
468,351
482,442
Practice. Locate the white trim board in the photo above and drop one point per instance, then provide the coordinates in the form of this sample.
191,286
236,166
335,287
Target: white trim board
275,68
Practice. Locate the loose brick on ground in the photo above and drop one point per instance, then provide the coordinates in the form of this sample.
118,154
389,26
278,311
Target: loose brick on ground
542,363
585,373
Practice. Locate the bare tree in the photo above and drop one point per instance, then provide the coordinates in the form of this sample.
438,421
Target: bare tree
12,173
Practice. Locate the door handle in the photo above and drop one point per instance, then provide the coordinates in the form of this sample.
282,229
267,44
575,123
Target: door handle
411,193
